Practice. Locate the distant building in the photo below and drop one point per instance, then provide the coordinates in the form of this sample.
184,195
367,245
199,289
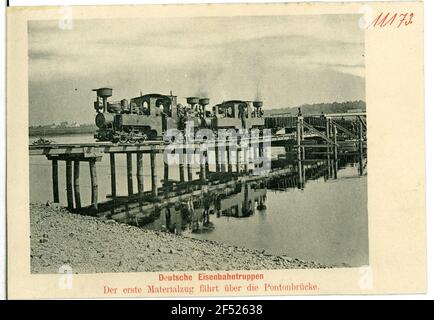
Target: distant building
354,110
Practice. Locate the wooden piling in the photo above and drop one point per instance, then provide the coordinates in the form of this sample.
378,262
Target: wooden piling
94,183
165,169
299,156
328,149
222,156
205,153
238,155
301,175
69,192
335,152
113,174
181,166
288,152
303,151
217,157
130,173
77,184
190,160
228,154
140,183
55,179
261,144
202,168
247,156
360,147
153,176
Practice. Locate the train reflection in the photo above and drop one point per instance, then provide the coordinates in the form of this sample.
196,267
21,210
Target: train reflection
194,211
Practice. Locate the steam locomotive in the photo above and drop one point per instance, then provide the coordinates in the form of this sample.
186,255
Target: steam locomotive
149,116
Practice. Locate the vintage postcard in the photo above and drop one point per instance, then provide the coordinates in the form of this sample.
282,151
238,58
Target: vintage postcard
215,150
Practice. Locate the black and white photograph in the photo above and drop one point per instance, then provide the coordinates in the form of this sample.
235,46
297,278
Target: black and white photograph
197,143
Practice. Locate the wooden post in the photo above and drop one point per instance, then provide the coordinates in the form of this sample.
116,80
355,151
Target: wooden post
247,156
139,163
94,183
328,149
335,152
228,154
261,144
165,169
69,193
190,159
181,166
202,167
55,178
299,153
153,176
299,138
238,154
205,153
288,152
77,184
130,173
217,161
222,156
303,155
360,147
113,174
300,174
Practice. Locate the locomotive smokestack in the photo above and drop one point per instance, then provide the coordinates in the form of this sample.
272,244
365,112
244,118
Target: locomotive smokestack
192,101
104,93
204,102
257,104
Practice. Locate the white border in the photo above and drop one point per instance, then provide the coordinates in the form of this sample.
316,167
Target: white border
429,120
3,156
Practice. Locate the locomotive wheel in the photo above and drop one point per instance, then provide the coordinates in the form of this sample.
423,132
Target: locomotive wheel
123,139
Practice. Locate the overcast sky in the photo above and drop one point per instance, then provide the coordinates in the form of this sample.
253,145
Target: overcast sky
285,61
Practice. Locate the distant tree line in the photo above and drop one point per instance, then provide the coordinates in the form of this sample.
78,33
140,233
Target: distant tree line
318,108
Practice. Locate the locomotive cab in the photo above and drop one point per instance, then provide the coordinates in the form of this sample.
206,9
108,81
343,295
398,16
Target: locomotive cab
256,119
237,114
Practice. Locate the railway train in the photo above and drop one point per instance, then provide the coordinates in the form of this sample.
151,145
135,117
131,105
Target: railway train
149,116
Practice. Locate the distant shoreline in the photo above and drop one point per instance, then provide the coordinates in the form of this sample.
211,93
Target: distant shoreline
49,132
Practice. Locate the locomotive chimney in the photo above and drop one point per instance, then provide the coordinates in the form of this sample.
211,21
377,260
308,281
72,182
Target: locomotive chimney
104,93
204,102
257,104
192,101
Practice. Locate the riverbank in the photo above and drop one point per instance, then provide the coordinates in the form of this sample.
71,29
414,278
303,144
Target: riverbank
51,132
90,245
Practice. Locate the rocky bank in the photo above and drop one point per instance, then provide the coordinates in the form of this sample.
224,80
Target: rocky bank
91,245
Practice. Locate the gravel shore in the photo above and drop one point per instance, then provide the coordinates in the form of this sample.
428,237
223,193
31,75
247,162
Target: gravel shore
91,245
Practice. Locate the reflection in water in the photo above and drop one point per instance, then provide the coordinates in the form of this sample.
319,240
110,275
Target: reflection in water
229,199
234,199
305,214
299,210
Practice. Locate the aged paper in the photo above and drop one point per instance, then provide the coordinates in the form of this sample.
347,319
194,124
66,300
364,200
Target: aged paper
322,93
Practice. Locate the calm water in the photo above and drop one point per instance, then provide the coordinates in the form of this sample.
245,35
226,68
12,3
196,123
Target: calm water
326,222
